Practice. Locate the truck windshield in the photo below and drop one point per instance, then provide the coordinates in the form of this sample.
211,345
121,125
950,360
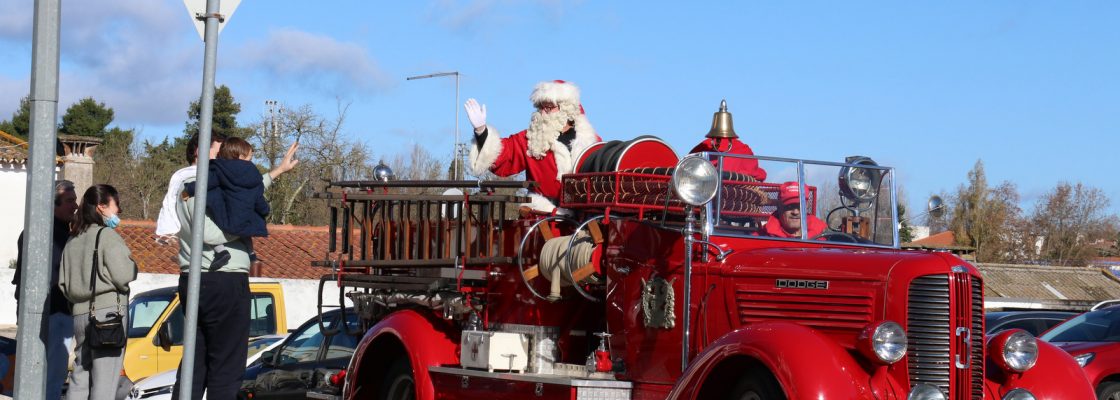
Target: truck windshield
144,311
849,202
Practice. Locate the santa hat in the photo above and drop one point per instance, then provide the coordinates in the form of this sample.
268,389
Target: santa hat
556,91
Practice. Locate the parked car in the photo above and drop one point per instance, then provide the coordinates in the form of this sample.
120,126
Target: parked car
305,359
159,386
1093,339
1034,322
155,326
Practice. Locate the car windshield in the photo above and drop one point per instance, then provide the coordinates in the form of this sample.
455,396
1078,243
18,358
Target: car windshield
1097,326
257,344
143,312
850,202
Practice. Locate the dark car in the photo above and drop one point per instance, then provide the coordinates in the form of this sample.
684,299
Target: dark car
1034,322
307,357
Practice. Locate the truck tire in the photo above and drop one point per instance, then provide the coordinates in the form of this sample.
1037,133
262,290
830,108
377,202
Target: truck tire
757,384
399,383
1108,391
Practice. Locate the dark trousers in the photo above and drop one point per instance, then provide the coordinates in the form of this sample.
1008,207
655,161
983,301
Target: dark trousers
222,342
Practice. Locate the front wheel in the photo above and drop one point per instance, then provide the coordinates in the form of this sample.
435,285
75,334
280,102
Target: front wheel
399,384
1108,391
757,384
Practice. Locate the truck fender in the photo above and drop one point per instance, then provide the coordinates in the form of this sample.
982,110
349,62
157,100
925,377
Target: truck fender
794,354
1056,375
422,337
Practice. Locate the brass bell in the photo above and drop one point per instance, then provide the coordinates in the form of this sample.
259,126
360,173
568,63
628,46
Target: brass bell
721,124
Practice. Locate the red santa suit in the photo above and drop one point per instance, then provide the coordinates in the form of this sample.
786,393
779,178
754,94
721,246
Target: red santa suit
542,158
748,166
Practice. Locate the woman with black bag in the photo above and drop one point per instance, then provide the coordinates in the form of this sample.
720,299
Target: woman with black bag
96,269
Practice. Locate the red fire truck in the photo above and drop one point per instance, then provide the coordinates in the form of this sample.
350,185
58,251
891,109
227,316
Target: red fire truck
661,278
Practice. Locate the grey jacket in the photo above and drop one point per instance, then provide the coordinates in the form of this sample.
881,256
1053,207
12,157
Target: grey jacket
117,269
211,236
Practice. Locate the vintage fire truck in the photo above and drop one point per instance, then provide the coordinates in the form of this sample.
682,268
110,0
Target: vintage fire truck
657,279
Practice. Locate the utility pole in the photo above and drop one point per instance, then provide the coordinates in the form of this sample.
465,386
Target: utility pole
31,355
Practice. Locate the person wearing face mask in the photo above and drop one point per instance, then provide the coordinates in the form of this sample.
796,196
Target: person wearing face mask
96,370
558,132
60,333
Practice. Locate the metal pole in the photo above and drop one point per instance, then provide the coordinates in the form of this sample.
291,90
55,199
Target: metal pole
686,315
198,220
458,151
30,379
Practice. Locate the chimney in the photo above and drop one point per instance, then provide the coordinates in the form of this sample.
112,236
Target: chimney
77,160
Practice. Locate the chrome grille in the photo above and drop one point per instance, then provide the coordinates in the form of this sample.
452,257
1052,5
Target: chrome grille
977,338
931,327
928,332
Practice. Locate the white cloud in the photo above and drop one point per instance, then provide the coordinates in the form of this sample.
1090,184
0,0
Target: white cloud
459,15
133,55
315,62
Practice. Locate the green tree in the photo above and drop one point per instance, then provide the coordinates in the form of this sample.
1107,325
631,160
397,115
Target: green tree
988,218
224,119
87,117
20,124
112,155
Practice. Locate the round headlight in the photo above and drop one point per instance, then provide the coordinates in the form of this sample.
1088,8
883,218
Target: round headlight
860,184
1020,351
883,342
923,391
1019,394
695,181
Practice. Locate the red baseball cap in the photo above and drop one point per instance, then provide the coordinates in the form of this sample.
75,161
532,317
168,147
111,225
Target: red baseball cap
787,193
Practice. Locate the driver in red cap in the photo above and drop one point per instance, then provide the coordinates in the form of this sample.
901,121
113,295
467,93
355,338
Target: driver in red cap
786,221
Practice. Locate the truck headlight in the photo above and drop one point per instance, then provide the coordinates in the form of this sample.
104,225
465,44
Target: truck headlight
1019,394
860,184
1015,350
884,342
924,391
1084,359
695,181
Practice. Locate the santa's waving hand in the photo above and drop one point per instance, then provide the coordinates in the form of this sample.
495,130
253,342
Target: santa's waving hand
558,130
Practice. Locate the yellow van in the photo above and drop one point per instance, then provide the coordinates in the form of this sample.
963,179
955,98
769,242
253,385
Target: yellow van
156,320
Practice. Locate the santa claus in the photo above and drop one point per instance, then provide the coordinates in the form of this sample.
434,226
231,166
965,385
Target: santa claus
558,132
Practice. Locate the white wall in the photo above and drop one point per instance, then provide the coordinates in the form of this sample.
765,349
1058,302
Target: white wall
14,185
300,295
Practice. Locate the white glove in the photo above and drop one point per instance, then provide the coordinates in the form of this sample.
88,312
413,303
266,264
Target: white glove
476,113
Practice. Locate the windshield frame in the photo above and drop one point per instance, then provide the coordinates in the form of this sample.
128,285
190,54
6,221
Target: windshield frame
713,215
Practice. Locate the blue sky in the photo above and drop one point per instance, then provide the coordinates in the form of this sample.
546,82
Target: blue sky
1030,87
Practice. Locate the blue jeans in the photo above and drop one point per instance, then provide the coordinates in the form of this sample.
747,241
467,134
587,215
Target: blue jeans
60,338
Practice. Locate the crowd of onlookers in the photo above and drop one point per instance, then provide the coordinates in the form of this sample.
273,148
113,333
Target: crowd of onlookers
86,308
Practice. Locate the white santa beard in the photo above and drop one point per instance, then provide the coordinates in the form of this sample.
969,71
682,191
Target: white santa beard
543,130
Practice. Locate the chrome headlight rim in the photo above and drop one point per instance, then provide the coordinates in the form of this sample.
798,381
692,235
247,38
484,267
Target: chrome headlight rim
860,184
883,342
1019,394
1014,350
925,391
695,181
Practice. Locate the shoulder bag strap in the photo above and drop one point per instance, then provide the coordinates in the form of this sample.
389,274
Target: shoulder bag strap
93,272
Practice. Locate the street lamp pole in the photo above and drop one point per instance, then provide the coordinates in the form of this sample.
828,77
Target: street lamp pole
457,154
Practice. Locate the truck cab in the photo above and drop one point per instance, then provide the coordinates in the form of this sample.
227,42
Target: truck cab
156,320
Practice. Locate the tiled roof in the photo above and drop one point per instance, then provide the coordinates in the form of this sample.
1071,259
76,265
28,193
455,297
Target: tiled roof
286,253
12,149
1049,283
943,239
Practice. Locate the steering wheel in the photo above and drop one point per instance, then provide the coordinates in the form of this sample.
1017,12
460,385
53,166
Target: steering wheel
837,236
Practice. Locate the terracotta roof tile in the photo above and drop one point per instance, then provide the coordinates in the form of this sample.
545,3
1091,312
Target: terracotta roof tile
286,253
943,239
